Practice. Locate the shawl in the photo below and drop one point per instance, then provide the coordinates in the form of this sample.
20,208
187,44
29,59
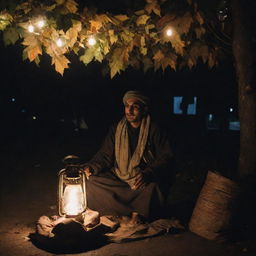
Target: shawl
127,165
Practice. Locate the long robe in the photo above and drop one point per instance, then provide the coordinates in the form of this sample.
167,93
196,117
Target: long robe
109,195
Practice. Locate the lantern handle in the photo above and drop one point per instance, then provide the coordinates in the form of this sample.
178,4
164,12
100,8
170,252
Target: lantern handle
70,159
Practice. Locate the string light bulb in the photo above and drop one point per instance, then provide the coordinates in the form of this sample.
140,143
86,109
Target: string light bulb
41,23
169,32
31,28
91,41
60,42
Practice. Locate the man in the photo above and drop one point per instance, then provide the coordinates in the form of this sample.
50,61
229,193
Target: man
132,168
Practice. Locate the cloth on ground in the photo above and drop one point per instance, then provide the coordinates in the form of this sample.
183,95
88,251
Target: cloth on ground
123,228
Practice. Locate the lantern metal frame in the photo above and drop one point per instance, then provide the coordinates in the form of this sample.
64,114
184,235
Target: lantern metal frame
63,180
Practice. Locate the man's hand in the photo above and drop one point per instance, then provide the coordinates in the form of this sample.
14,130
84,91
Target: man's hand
88,172
140,181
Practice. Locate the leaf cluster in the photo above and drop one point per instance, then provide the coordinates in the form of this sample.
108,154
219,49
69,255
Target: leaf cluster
137,39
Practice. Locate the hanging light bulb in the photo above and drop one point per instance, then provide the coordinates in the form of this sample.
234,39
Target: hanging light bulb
169,32
40,23
91,41
31,28
60,42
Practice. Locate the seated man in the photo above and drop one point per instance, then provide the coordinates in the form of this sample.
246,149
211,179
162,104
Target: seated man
132,168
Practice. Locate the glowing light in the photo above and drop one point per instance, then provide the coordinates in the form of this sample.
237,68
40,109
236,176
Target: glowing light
60,42
34,117
231,109
73,201
13,99
40,24
91,41
169,32
31,28
210,117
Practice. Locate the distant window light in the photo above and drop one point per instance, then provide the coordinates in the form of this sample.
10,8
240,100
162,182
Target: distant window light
212,122
181,105
234,125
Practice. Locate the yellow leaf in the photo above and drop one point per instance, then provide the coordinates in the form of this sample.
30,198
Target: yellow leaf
33,51
142,41
148,27
142,20
60,62
112,37
211,60
176,43
170,60
33,48
105,47
103,18
127,36
183,23
95,25
59,2
140,12
165,20
88,55
72,34
153,7
121,18
144,51
191,63
49,8
199,50
137,40
158,57
71,6
119,60
26,7
5,19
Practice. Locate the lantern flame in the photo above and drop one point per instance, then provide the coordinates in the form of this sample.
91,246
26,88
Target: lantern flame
73,200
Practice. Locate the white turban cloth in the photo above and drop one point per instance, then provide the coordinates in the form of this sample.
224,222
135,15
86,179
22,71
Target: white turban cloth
136,95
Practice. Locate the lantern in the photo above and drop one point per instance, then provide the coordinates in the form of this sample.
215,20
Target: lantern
72,190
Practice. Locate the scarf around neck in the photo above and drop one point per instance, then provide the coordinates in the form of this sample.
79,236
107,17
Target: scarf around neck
127,164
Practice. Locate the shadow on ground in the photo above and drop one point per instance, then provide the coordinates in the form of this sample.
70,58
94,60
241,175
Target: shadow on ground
71,238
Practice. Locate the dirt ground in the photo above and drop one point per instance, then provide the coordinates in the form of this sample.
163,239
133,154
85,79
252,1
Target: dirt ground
28,190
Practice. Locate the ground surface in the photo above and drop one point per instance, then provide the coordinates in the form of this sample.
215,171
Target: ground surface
28,190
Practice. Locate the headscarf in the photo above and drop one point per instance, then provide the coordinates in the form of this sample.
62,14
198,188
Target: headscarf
136,95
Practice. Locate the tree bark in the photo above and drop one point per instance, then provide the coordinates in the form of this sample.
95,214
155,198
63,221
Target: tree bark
244,50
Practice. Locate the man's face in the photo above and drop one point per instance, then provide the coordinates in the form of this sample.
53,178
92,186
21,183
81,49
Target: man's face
133,110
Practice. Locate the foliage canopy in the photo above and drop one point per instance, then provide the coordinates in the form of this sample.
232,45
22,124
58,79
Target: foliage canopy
153,37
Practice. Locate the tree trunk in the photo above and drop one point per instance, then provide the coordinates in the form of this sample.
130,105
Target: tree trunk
244,50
